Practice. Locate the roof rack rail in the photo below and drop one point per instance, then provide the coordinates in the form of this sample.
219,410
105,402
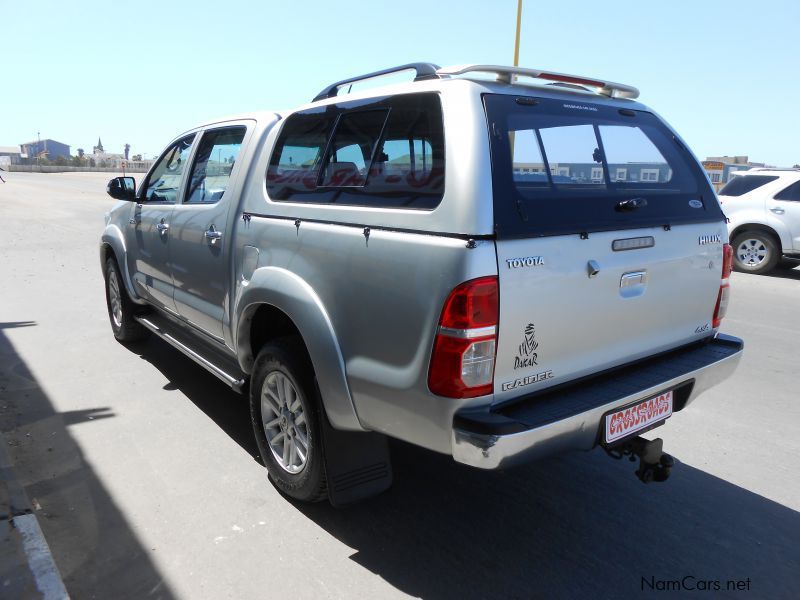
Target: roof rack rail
772,169
506,74
423,71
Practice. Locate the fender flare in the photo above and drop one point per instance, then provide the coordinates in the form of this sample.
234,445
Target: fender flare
113,238
297,299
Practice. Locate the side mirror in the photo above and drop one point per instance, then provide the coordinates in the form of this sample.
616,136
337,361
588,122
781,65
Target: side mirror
122,188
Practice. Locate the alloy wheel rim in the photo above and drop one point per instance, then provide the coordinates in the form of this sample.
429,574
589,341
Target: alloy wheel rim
752,252
114,298
284,419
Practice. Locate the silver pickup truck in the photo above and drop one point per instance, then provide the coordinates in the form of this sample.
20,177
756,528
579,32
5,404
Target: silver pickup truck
493,263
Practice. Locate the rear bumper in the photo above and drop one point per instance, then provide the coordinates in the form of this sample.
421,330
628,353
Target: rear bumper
569,417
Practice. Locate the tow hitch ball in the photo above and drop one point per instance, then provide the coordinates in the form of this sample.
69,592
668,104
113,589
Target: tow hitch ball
654,463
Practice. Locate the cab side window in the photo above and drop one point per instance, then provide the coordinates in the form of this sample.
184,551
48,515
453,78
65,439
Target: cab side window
352,148
388,153
165,180
213,163
790,193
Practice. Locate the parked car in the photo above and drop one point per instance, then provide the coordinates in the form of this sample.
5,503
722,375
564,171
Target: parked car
763,208
494,263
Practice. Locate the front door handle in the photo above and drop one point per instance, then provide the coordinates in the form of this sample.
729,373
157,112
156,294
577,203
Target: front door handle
162,227
212,234
778,211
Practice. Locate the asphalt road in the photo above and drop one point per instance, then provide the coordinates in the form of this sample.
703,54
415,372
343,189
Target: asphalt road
148,484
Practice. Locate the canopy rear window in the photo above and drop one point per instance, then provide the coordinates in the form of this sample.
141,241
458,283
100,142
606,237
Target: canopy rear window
564,167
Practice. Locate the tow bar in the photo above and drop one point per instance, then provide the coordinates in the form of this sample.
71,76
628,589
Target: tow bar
654,463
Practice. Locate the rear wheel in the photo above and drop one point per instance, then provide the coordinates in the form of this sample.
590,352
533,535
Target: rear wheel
755,252
121,309
285,413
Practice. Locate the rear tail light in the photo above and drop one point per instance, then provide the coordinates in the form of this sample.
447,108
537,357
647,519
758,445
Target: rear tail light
727,261
724,289
462,363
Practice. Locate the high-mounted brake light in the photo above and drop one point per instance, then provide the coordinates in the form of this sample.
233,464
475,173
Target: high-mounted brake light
571,79
723,297
462,363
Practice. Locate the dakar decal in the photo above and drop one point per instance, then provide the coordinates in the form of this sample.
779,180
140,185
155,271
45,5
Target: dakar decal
528,357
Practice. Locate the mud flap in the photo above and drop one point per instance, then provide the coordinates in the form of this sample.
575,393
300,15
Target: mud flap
357,464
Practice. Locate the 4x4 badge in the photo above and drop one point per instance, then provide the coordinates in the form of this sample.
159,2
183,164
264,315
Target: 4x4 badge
528,356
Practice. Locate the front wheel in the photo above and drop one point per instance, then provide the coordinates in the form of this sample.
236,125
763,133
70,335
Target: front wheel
285,413
755,252
121,309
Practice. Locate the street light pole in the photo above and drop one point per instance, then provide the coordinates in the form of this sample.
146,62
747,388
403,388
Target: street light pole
511,136
519,26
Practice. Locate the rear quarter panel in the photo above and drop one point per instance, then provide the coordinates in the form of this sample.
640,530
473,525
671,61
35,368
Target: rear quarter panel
383,294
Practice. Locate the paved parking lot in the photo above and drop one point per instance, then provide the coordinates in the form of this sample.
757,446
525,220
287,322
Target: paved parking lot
147,482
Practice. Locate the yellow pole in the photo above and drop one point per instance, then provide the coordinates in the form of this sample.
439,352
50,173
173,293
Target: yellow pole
519,25
511,136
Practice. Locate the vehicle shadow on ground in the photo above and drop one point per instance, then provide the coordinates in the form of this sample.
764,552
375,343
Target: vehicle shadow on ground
579,524
786,270
229,410
95,549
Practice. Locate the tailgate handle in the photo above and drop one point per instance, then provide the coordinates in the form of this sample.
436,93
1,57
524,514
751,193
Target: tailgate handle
631,279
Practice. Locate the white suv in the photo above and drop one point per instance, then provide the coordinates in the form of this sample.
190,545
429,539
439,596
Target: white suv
763,209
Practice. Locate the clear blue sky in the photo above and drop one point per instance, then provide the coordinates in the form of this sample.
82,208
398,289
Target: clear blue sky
724,73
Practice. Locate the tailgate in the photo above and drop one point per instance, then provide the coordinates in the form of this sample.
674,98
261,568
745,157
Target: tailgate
570,307
609,238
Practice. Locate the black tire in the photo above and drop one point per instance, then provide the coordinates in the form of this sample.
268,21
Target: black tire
125,327
280,361
755,252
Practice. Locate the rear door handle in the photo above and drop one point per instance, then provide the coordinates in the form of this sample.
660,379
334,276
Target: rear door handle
778,211
162,227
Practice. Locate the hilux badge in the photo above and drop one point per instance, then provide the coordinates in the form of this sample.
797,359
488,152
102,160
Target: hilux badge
710,239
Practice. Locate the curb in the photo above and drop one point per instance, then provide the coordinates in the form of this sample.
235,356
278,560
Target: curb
27,568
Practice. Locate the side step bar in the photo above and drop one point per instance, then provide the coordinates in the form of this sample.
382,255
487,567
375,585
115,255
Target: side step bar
236,383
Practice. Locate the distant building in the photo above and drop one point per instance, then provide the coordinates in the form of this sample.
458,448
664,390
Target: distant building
112,160
49,149
720,169
102,158
107,159
593,172
10,155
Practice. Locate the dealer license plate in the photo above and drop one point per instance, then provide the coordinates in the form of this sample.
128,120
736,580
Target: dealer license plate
630,419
